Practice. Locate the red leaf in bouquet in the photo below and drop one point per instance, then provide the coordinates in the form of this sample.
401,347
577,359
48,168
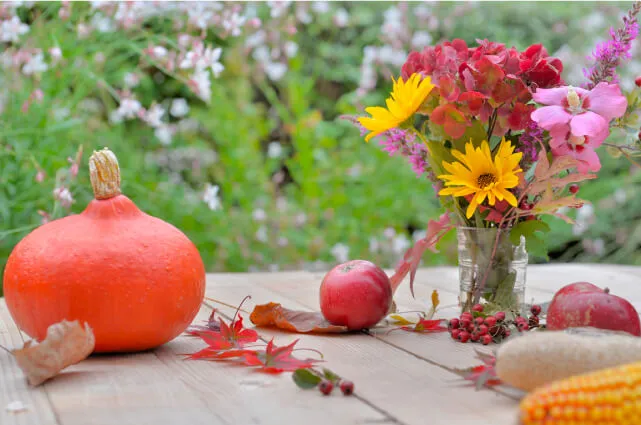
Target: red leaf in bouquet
539,68
511,61
519,116
453,121
448,88
486,47
496,213
487,75
474,101
277,359
273,314
412,258
426,326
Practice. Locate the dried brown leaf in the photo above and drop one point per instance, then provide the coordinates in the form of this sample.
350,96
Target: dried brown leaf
66,343
273,314
559,183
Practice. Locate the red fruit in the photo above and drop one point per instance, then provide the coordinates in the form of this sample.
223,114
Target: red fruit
326,386
525,206
465,323
356,294
474,337
637,81
467,316
464,336
506,333
454,323
574,188
491,320
486,339
456,333
520,319
535,309
583,304
483,329
478,308
347,387
500,316
496,330
523,326
534,321
479,320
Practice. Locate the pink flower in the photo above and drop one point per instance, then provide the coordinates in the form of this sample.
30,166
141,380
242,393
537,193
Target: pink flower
578,120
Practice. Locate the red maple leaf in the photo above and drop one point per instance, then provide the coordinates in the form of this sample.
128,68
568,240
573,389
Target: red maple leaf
227,338
426,326
215,354
483,375
277,359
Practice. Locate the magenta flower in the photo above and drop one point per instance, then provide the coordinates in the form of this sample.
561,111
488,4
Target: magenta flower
578,120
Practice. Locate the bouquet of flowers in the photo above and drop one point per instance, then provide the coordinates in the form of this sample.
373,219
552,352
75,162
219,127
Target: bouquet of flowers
505,140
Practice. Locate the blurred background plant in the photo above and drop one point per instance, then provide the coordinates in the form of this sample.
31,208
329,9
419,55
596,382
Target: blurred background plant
226,119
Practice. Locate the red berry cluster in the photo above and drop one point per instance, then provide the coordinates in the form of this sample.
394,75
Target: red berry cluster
326,386
479,327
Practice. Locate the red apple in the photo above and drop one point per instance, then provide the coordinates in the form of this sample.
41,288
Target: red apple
356,294
584,304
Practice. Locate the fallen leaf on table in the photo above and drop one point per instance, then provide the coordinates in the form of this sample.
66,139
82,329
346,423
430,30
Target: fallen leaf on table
426,326
227,342
212,324
66,343
483,375
277,359
435,303
273,314
397,319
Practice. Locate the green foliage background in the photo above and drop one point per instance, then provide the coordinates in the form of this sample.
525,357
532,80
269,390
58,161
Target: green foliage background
348,190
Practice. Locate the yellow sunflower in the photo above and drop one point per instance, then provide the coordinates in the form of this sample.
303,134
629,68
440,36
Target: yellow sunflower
406,98
477,173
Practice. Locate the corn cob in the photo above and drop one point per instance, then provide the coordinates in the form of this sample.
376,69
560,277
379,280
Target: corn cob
609,396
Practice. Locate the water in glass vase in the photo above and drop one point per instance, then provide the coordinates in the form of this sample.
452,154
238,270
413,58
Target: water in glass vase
492,270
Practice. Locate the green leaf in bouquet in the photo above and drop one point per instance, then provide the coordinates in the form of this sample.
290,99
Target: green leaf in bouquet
505,296
533,231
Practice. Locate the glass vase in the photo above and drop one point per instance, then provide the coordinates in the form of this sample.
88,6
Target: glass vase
492,270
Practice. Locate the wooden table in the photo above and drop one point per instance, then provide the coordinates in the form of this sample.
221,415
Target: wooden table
400,377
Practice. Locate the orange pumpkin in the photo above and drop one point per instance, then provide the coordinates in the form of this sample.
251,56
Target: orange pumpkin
137,280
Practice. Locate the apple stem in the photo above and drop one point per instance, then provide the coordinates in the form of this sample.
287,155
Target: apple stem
606,290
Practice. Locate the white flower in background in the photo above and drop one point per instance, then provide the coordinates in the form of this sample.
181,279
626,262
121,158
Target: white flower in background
63,195
282,241
274,150
303,15
56,54
584,217
421,39
154,115
201,59
164,134
179,107
291,48
159,52
99,58
341,18
340,252
278,8
12,29
400,244
211,59
211,198
115,117
256,39
103,23
422,11
261,234
131,80
599,246
234,23
202,85
184,40
261,54
128,108
389,232
620,196
300,219
83,31
388,54
275,70
259,214
320,7
35,65
374,245
354,171
60,114
392,21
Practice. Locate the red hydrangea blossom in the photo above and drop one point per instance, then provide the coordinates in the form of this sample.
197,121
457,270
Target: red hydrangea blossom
486,82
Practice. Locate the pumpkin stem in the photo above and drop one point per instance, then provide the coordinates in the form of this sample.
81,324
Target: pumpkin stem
105,174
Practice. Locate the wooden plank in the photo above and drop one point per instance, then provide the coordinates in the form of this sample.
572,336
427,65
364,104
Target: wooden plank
241,395
14,386
407,387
